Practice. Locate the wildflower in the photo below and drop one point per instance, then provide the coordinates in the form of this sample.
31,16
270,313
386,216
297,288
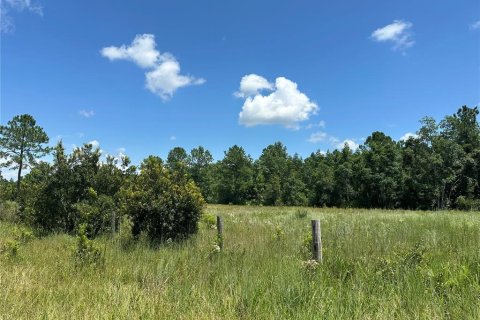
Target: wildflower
216,248
310,265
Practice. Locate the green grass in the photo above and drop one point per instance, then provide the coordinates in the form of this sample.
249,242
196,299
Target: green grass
377,265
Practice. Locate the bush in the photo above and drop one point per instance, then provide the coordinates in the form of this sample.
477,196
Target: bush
125,233
10,248
96,213
209,220
467,203
86,253
9,211
162,204
23,234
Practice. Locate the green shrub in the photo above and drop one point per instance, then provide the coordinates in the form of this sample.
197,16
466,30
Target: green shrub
162,204
96,213
23,234
86,253
125,235
307,245
9,211
464,203
10,248
209,220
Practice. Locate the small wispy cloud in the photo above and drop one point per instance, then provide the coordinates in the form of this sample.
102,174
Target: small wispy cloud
86,113
335,142
7,24
398,33
173,138
322,124
318,137
475,25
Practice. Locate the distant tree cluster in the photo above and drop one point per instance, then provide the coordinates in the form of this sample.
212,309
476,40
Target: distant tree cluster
438,168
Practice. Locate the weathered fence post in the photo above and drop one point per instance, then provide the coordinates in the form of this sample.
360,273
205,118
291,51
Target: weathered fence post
316,240
220,232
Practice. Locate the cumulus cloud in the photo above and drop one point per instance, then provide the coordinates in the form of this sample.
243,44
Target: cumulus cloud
408,135
475,25
86,113
7,24
351,144
173,138
398,33
163,77
285,105
252,84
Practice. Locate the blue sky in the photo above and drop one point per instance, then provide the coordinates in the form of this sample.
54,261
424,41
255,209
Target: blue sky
142,77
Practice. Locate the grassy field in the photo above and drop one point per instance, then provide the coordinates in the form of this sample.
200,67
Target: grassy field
377,265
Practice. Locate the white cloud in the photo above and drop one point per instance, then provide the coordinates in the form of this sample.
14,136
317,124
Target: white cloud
121,150
475,25
142,51
251,85
7,6
351,144
322,124
166,78
333,141
86,113
318,137
408,135
163,77
286,105
173,138
397,33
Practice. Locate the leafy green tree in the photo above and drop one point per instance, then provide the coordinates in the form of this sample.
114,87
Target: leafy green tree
112,175
294,189
380,172
7,189
22,142
235,177
72,181
343,191
177,157
463,129
160,204
200,166
318,176
273,166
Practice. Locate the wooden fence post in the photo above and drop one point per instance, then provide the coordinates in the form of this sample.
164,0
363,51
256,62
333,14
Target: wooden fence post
220,232
316,240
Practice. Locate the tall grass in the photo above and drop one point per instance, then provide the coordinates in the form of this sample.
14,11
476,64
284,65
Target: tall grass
377,265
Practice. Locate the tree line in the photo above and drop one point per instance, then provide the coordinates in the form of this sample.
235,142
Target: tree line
438,168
